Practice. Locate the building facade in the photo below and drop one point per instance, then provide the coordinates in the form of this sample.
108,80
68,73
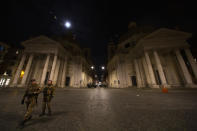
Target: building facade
3,50
9,59
59,60
159,58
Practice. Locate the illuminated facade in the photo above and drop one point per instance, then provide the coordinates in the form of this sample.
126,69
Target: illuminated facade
153,58
59,60
4,77
3,50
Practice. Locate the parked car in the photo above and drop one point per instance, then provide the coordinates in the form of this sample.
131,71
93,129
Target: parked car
91,85
103,85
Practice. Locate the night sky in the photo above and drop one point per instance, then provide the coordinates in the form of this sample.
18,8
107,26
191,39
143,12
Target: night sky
93,22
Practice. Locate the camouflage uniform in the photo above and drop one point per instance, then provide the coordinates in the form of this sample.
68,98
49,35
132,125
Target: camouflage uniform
31,94
48,94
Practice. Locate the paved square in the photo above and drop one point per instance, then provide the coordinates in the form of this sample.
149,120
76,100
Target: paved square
104,110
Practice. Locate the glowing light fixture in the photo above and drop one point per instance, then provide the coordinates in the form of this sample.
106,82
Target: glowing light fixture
92,67
22,73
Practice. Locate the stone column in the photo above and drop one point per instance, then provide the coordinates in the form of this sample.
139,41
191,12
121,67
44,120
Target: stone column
146,71
124,75
139,84
45,70
80,81
56,72
27,69
183,66
53,68
18,71
116,77
160,69
110,79
74,77
143,81
172,71
120,76
64,73
150,69
59,76
191,61
36,69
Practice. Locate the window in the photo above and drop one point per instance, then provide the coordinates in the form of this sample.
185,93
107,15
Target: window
127,45
9,72
1,48
133,43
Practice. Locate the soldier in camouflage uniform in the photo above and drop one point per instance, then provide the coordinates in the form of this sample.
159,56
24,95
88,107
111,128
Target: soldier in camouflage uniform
48,94
30,98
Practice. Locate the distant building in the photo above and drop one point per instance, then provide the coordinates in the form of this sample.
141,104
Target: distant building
145,57
3,50
8,64
60,60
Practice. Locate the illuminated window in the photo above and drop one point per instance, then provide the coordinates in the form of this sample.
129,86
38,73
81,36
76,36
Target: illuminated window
2,82
127,45
7,82
1,48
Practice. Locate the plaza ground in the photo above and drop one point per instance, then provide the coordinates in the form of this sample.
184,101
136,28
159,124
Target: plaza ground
103,109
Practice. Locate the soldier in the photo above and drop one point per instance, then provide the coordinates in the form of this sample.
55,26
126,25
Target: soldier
48,94
30,98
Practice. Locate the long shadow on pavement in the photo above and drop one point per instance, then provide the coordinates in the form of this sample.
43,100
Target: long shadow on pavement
43,119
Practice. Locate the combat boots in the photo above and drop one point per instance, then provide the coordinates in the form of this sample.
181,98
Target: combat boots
43,113
24,121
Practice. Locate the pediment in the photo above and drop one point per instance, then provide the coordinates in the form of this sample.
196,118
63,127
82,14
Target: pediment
40,40
164,33
165,38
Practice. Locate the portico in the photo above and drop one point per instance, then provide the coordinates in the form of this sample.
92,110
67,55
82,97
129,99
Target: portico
159,59
44,59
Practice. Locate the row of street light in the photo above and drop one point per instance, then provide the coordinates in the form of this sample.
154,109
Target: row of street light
102,67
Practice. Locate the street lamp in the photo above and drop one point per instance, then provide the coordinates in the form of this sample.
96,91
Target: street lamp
92,67
103,68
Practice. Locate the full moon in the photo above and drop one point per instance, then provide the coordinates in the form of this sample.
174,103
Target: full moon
67,24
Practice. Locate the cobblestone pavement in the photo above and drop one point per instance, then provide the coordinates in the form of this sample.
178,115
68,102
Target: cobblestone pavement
104,110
